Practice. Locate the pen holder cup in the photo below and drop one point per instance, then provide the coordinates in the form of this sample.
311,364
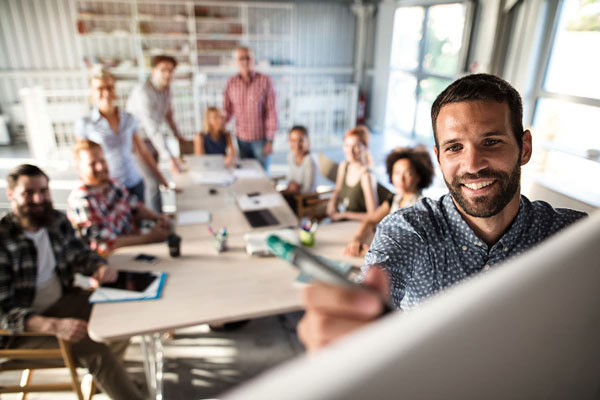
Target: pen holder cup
307,238
220,243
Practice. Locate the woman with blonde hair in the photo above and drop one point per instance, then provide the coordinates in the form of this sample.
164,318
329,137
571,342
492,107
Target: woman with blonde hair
354,195
116,131
214,139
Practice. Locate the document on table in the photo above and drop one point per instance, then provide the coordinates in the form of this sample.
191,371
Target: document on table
250,173
193,217
256,242
259,201
110,295
218,178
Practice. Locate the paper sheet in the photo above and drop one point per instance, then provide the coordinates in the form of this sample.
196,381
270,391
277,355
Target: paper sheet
218,178
259,202
249,173
193,217
256,242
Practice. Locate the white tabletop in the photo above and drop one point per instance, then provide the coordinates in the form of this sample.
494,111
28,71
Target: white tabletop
203,286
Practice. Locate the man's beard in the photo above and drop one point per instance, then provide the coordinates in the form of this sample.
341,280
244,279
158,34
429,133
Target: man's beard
35,216
487,205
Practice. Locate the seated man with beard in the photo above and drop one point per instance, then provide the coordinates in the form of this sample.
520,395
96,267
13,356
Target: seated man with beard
39,254
103,210
480,146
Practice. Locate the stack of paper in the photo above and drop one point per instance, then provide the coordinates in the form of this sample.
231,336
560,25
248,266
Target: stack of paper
193,217
249,173
256,242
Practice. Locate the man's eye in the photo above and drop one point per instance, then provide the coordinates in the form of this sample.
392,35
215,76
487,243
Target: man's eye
491,142
453,148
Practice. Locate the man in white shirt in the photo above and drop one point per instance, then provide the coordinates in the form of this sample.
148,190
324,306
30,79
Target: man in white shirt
39,254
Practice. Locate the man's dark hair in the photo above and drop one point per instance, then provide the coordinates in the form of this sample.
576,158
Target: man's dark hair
301,129
483,87
23,170
419,159
162,58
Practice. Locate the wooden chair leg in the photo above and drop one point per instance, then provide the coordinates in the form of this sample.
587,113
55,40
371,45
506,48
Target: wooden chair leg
25,380
65,348
88,386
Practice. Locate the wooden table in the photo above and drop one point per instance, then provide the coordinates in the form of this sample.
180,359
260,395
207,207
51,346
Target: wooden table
204,286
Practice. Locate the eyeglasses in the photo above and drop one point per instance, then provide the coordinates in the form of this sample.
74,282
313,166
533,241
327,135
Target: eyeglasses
244,58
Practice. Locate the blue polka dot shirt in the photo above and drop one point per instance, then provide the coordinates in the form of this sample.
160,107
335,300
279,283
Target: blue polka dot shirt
428,247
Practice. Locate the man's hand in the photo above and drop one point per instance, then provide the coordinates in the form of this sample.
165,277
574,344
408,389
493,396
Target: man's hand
355,249
293,187
268,148
70,329
104,274
158,233
176,167
333,312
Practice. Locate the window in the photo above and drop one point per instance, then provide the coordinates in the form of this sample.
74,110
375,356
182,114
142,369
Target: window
567,102
428,51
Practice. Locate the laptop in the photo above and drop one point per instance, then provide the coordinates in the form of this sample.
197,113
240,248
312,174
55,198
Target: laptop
260,218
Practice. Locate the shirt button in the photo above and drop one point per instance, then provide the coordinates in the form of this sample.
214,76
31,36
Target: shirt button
487,267
479,244
464,248
506,249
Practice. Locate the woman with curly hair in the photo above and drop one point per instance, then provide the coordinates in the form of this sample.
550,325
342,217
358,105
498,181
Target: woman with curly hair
410,171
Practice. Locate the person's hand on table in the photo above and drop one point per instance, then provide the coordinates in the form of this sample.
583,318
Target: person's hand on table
293,187
158,233
104,274
337,216
268,148
164,220
331,209
333,311
70,329
355,249
176,166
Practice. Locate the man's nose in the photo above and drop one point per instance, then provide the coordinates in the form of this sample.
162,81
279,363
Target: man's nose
38,198
474,159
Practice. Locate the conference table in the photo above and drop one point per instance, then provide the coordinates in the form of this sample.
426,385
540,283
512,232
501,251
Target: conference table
203,285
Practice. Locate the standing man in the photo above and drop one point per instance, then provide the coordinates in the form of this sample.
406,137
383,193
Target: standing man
480,146
249,97
150,103
39,254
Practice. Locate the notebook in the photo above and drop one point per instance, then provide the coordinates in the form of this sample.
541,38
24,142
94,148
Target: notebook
143,285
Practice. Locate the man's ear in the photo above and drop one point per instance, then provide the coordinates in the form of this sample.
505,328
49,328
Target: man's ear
527,147
9,194
435,151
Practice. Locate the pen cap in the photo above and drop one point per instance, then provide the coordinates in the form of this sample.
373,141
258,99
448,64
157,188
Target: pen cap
281,248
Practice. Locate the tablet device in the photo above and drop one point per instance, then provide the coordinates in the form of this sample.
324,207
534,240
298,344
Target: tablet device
132,280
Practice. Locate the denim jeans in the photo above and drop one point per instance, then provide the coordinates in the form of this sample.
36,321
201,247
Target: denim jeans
255,149
138,190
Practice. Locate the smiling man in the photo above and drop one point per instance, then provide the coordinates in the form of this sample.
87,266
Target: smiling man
39,255
480,146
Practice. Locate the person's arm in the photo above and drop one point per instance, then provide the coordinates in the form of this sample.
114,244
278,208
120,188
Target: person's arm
358,245
169,117
308,174
230,155
146,156
332,312
227,103
158,233
333,200
198,144
270,117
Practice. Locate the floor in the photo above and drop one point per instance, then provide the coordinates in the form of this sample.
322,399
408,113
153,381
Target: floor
199,363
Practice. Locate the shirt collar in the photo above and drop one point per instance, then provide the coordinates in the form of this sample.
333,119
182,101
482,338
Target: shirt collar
252,76
465,236
96,116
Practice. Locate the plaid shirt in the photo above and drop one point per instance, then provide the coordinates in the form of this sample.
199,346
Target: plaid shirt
253,106
101,214
18,266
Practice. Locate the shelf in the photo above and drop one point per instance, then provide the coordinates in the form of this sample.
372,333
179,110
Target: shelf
163,19
104,17
216,20
219,36
98,35
178,36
